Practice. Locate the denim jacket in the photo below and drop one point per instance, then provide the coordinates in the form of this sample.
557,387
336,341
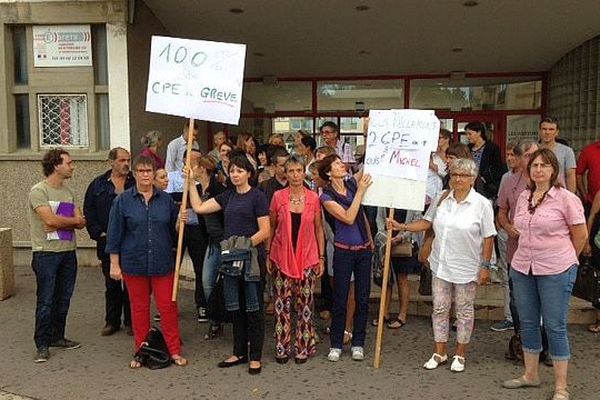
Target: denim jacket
143,235
237,255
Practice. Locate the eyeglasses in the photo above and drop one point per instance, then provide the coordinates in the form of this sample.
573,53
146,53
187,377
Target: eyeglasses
461,176
144,171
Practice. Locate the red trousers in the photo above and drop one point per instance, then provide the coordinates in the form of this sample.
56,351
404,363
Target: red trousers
140,288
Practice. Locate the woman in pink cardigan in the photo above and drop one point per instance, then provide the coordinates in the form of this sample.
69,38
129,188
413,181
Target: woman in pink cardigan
296,259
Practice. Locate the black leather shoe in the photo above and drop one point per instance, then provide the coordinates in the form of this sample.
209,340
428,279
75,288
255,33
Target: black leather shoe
108,330
227,364
255,371
282,360
300,360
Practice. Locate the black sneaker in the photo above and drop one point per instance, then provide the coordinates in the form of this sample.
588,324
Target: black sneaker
202,315
66,344
42,355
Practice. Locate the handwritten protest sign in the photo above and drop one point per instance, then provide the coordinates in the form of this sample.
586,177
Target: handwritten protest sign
196,79
399,144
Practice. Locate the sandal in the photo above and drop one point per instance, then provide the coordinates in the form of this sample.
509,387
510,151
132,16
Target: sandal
386,320
435,361
347,337
179,361
135,363
396,323
595,328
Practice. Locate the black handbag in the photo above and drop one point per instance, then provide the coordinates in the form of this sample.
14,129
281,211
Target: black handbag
215,309
587,285
425,281
153,353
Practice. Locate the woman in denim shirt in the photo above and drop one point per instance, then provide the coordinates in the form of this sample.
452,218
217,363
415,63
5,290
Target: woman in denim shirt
246,214
140,238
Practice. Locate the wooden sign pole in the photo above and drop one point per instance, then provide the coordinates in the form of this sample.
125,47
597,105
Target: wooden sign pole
384,285
184,200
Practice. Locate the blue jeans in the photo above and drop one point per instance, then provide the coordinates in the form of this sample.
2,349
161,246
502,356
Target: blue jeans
55,274
234,287
545,296
346,262
212,260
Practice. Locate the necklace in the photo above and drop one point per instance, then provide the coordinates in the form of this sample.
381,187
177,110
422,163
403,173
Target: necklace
297,200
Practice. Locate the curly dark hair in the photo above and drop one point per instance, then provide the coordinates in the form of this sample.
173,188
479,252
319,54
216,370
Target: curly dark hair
51,159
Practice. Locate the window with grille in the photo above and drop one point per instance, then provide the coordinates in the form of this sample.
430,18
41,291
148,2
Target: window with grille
63,120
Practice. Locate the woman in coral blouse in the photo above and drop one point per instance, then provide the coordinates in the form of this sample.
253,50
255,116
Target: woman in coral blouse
552,233
296,260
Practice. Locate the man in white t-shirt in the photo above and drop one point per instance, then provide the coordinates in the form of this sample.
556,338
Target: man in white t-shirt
549,129
177,147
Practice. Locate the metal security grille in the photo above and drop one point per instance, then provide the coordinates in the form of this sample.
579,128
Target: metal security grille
63,120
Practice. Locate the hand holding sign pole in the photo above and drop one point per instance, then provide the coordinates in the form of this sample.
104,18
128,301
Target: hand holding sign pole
196,79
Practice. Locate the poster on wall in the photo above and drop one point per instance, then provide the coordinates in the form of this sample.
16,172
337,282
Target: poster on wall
399,144
522,127
196,79
62,46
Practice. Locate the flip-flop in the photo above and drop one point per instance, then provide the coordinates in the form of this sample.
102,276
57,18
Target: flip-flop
594,328
391,324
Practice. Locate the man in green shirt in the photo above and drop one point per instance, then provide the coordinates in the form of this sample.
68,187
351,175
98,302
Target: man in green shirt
53,218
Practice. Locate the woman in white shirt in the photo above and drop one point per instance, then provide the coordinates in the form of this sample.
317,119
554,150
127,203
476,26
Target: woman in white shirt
463,224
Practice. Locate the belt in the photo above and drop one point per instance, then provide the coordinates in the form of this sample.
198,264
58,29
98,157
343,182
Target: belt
356,247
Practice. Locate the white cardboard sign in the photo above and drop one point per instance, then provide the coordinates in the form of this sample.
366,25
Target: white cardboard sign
399,144
196,79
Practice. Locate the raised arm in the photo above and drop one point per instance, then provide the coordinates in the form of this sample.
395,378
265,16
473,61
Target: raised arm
201,207
348,216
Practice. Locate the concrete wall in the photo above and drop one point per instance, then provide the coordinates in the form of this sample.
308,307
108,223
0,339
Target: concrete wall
139,39
574,94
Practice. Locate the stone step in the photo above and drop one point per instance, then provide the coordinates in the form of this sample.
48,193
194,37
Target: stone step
489,301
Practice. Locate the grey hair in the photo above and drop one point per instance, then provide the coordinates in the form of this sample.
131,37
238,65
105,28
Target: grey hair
464,164
294,159
151,138
521,147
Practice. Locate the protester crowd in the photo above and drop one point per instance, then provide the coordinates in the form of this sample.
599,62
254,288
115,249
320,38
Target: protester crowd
263,223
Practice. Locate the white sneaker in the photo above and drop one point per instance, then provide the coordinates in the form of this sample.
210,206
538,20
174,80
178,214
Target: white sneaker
358,353
334,354
458,364
435,361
